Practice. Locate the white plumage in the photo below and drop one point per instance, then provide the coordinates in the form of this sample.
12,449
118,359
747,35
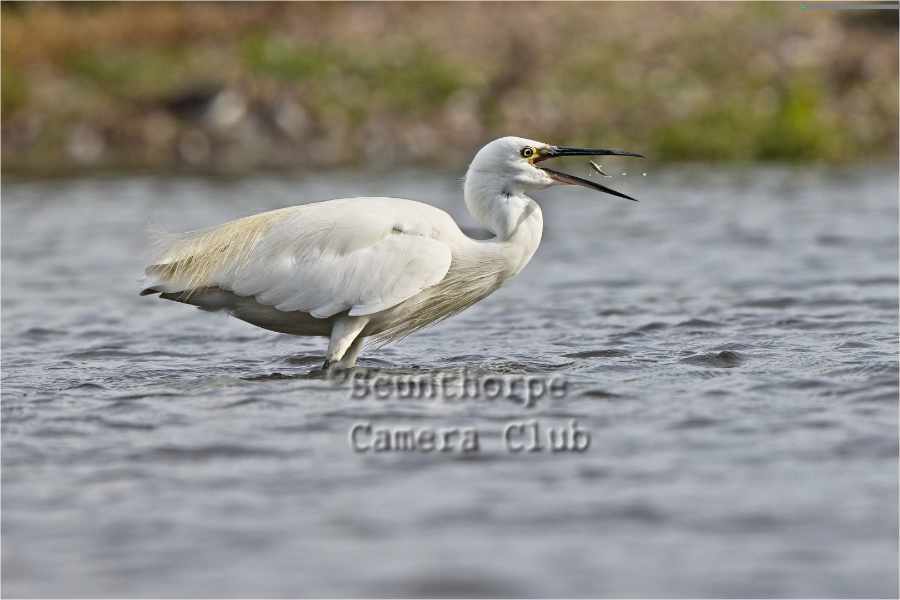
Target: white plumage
359,267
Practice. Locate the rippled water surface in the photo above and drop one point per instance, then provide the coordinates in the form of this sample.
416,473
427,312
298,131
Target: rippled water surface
730,344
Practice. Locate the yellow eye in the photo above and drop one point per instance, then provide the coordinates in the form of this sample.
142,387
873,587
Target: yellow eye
527,152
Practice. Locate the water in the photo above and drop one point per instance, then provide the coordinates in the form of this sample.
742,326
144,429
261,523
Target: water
730,343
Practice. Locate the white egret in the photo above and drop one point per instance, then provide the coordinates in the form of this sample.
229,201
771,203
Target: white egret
354,268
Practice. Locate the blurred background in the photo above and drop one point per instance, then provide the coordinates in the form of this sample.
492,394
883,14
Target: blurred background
239,87
730,341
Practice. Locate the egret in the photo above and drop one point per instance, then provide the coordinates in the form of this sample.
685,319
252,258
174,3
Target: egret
356,268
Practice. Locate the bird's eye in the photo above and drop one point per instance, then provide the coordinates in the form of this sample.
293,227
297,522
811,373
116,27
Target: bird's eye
527,152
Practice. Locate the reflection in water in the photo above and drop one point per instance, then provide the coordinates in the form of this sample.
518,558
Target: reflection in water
729,343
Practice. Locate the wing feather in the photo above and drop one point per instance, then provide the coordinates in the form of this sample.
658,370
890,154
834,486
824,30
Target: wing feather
361,255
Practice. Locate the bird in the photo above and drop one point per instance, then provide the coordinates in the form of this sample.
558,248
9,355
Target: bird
377,268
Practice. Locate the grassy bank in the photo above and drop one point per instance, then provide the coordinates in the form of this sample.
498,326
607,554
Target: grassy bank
245,86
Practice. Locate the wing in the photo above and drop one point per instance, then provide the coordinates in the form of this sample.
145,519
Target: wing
361,255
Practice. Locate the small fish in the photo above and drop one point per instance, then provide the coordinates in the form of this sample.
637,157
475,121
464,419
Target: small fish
598,169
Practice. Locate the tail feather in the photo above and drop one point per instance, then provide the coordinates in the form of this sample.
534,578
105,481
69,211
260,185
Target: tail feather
189,262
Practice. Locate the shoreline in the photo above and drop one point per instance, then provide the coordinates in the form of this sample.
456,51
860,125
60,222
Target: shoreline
247,88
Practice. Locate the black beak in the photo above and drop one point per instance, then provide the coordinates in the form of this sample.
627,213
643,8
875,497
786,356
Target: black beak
557,151
554,151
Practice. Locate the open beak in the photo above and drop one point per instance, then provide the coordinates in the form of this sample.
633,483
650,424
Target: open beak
557,151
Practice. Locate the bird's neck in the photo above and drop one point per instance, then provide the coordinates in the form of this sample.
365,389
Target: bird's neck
513,217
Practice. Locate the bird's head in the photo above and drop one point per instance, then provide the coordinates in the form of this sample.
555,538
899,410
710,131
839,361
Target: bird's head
514,163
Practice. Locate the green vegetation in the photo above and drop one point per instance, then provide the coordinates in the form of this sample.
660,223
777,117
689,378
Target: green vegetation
406,79
800,129
431,82
14,90
128,72
797,129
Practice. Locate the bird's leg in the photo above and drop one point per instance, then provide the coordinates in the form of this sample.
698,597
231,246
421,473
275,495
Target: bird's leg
343,333
348,361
